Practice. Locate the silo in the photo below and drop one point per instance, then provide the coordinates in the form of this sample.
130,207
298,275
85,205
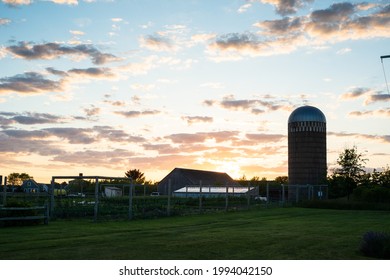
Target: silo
306,147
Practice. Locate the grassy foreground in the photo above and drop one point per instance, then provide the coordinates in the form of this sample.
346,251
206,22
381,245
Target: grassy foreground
279,233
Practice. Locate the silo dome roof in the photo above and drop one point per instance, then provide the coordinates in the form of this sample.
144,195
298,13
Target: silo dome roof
307,114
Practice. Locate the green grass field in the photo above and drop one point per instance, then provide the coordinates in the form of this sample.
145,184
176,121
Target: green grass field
276,234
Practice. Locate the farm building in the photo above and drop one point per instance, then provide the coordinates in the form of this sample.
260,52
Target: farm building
112,192
180,178
30,186
213,191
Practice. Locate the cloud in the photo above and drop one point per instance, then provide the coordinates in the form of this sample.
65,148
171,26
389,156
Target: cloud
73,135
245,42
335,13
212,85
371,96
203,37
26,134
65,2
29,83
116,135
345,21
29,118
171,39
37,118
372,137
286,7
265,138
339,22
117,19
355,93
49,51
234,46
200,137
27,2
143,87
17,2
30,142
75,74
117,103
197,119
136,114
93,72
377,97
255,106
140,68
92,111
110,158
4,21
77,32
244,8
380,113
279,27
158,43
162,148
344,51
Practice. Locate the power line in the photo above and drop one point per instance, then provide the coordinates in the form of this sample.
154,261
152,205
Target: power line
384,72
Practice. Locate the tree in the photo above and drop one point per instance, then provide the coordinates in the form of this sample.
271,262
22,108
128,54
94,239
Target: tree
16,179
137,176
381,178
281,179
351,170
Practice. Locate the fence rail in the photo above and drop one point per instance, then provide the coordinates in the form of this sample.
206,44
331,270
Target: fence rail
134,203
31,214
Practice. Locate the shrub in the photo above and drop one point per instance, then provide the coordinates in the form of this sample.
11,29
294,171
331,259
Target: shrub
376,245
372,194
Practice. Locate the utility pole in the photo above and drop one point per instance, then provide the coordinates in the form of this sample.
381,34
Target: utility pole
384,72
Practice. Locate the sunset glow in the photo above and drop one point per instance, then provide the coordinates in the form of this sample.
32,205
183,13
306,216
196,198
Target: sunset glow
101,87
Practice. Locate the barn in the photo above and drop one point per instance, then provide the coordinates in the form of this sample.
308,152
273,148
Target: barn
180,178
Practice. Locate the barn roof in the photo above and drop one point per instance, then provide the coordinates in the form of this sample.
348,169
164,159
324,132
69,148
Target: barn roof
181,177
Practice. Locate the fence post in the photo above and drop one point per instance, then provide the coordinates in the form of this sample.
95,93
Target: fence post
200,196
130,214
169,198
267,193
283,195
144,201
227,197
96,207
5,192
52,197
248,195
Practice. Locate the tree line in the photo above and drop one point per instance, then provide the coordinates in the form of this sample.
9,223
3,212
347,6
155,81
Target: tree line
350,177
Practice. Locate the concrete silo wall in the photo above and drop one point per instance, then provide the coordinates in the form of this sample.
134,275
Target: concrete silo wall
307,153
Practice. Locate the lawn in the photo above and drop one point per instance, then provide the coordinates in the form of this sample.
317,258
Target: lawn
277,233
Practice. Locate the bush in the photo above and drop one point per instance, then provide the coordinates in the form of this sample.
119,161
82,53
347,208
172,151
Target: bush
376,245
372,194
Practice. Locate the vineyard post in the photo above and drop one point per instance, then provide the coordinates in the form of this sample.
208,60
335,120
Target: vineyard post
130,214
200,196
96,206
169,198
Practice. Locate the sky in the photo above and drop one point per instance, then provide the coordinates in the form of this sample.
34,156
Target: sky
101,87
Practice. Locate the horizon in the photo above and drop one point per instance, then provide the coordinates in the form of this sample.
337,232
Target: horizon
101,87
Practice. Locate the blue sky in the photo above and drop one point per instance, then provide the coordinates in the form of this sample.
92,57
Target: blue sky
101,87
